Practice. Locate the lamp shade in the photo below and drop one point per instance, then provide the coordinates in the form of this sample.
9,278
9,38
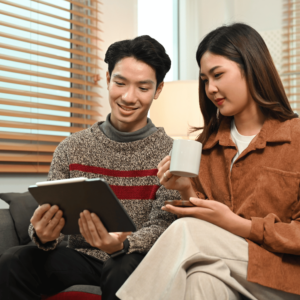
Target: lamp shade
177,108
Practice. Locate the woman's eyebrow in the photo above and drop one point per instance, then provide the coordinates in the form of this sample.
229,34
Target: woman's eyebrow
210,71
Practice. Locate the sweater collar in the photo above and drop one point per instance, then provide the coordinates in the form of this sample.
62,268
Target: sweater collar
158,136
124,137
273,131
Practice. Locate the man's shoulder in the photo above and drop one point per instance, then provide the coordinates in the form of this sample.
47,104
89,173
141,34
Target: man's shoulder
161,136
160,139
84,134
81,139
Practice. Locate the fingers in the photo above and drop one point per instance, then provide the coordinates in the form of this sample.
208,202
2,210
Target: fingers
60,225
39,212
163,166
99,226
163,161
165,178
49,225
55,221
94,229
47,221
48,215
182,211
203,203
163,171
84,229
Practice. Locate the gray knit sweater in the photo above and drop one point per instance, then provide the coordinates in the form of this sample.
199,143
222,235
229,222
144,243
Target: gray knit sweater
130,169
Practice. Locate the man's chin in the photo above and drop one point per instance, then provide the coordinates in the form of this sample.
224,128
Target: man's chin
127,123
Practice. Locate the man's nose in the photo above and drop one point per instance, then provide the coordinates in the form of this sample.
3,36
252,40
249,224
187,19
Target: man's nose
129,95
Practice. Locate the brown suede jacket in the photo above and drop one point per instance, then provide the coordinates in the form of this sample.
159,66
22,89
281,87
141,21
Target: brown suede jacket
263,186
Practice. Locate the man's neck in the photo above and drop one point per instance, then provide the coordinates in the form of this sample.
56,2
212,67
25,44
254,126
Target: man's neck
122,136
127,127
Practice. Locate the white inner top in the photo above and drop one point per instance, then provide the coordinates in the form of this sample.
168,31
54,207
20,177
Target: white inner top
241,141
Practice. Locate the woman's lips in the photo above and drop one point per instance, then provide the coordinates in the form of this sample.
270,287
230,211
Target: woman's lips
220,101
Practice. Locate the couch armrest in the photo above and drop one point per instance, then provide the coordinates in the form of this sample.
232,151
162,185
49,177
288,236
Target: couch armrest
8,235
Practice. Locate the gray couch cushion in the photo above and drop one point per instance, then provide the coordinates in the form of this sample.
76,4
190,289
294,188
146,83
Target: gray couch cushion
8,236
91,289
21,207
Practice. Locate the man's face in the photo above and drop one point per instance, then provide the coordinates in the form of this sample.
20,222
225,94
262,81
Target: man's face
132,88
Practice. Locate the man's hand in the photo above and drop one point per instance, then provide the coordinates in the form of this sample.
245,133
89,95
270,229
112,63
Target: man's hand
97,236
47,222
214,212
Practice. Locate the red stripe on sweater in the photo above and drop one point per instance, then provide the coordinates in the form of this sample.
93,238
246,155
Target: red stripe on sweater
143,192
114,173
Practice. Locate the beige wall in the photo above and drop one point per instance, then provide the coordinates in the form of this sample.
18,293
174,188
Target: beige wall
177,109
119,23
199,17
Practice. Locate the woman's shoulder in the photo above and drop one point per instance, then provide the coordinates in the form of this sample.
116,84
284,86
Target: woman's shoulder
293,126
295,123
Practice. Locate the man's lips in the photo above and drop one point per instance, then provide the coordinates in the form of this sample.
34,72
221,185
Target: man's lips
127,107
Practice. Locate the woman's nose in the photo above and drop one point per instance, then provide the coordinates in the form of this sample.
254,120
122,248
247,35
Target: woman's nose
211,88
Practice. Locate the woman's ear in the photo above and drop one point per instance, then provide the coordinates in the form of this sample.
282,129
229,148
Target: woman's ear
107,79
158,90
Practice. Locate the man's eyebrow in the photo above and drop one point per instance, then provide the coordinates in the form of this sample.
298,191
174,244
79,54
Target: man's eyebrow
147,82
141,82
210,71
119,76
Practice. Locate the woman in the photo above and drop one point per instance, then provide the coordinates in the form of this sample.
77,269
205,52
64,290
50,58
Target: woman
242,238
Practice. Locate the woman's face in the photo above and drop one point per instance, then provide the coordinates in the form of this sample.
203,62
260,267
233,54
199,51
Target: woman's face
225,84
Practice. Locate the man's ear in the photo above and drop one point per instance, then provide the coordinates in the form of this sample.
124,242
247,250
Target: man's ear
158,90
107,79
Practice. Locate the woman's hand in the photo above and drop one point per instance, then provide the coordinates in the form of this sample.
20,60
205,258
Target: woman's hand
97,236
171,182
216,213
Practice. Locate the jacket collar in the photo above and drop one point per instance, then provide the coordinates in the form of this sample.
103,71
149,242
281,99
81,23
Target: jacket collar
273,131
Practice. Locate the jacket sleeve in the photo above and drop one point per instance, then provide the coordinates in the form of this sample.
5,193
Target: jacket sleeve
143,239
59,169
277,236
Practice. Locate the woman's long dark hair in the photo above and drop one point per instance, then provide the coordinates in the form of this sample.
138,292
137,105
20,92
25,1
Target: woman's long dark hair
243,45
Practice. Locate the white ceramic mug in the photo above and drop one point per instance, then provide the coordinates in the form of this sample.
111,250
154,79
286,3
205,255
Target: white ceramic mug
185,158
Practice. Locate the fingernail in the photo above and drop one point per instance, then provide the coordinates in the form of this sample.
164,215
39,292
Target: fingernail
163,208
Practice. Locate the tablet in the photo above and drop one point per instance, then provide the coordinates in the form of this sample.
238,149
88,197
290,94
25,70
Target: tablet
61,181
74,196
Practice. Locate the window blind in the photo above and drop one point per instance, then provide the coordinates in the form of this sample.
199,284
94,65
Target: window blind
49,55
291,52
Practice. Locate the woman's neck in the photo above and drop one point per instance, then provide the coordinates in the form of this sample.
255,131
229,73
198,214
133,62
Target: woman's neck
250,122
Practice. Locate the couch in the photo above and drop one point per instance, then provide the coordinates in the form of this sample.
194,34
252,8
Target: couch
14,224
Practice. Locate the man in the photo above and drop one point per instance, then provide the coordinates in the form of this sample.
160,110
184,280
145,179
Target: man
124,150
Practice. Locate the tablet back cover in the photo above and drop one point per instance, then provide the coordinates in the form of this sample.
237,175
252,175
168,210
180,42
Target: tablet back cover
94,195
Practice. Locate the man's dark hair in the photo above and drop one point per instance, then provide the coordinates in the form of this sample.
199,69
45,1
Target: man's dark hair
143,48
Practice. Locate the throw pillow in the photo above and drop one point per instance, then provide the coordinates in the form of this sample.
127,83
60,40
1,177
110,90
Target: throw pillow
21,207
